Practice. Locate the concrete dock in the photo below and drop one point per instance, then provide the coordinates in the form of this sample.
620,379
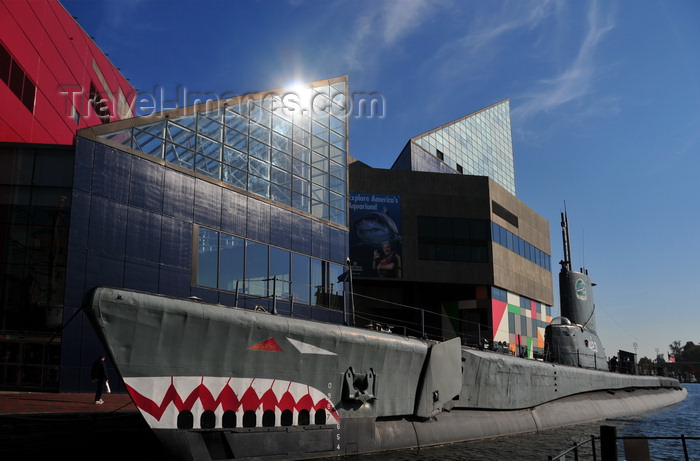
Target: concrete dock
48,425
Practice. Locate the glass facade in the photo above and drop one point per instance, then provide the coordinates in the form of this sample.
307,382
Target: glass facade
288,147
256,270
35,206
479,144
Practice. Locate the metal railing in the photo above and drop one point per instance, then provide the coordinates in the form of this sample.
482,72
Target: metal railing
608,446
575,449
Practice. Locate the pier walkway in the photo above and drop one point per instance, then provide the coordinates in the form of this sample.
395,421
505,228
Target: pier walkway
51,425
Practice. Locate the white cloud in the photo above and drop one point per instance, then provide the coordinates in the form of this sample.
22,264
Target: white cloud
577,80
383,25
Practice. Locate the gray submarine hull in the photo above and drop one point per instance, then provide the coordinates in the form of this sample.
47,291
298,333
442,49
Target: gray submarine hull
216,382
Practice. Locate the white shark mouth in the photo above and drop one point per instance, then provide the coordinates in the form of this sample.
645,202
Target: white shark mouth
215,402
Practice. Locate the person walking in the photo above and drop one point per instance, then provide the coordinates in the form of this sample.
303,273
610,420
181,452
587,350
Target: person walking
99,376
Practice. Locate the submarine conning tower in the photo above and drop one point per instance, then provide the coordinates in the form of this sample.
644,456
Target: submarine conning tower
572,339
575,288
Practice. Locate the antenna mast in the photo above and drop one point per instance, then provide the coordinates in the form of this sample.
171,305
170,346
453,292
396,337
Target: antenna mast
566,262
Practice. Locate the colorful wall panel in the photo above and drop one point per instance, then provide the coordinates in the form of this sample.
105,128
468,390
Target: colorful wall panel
520,322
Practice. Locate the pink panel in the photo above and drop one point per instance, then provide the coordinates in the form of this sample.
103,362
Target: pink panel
498,309
55,52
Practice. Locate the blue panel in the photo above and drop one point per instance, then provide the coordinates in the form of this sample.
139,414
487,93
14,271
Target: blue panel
146,185
321,315
141,275
233,212
82,175
178,195
227,299
75,278
335,316
280,227
206,295
174,281
79,219
338,245
258,221
301,237
143,234
70,339
301,312
107,225
104,269
207,204
319,240
110,174
176,242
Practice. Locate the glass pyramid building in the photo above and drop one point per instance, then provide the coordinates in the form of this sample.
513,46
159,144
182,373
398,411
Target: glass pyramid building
478,144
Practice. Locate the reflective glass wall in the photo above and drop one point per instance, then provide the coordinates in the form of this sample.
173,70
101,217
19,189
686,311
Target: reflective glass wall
289,146
255,270
479,144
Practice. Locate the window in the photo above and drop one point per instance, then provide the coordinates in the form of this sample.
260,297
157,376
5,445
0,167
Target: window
256,268
99,104
16,79
519,246
207,258
279,273
232,263
232,251
452,239
301,282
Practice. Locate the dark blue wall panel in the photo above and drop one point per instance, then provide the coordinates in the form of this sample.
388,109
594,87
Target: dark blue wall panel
176,242
174,281
301,237
107,225
258,220
82,173
104,269
80,218
207,204
110,174
141,275
339,250
178,192
234,208
280,227
146,185
143,235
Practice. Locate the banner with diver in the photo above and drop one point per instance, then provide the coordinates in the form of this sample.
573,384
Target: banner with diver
375,235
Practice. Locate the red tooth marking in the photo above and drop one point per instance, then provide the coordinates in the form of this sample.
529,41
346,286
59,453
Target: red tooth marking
250,400
228,400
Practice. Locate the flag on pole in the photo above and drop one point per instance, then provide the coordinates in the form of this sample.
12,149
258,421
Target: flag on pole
345,276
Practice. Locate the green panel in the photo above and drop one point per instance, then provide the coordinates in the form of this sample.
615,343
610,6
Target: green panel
452,311
513,309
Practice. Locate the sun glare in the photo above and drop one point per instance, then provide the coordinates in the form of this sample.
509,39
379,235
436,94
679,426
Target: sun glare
298,97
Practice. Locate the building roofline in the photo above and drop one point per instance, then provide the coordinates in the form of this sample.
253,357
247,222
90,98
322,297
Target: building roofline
413,139
94,131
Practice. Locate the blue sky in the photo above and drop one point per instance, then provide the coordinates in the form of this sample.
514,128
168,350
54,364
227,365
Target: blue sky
605,102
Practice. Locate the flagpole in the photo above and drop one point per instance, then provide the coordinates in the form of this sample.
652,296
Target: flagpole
352,297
